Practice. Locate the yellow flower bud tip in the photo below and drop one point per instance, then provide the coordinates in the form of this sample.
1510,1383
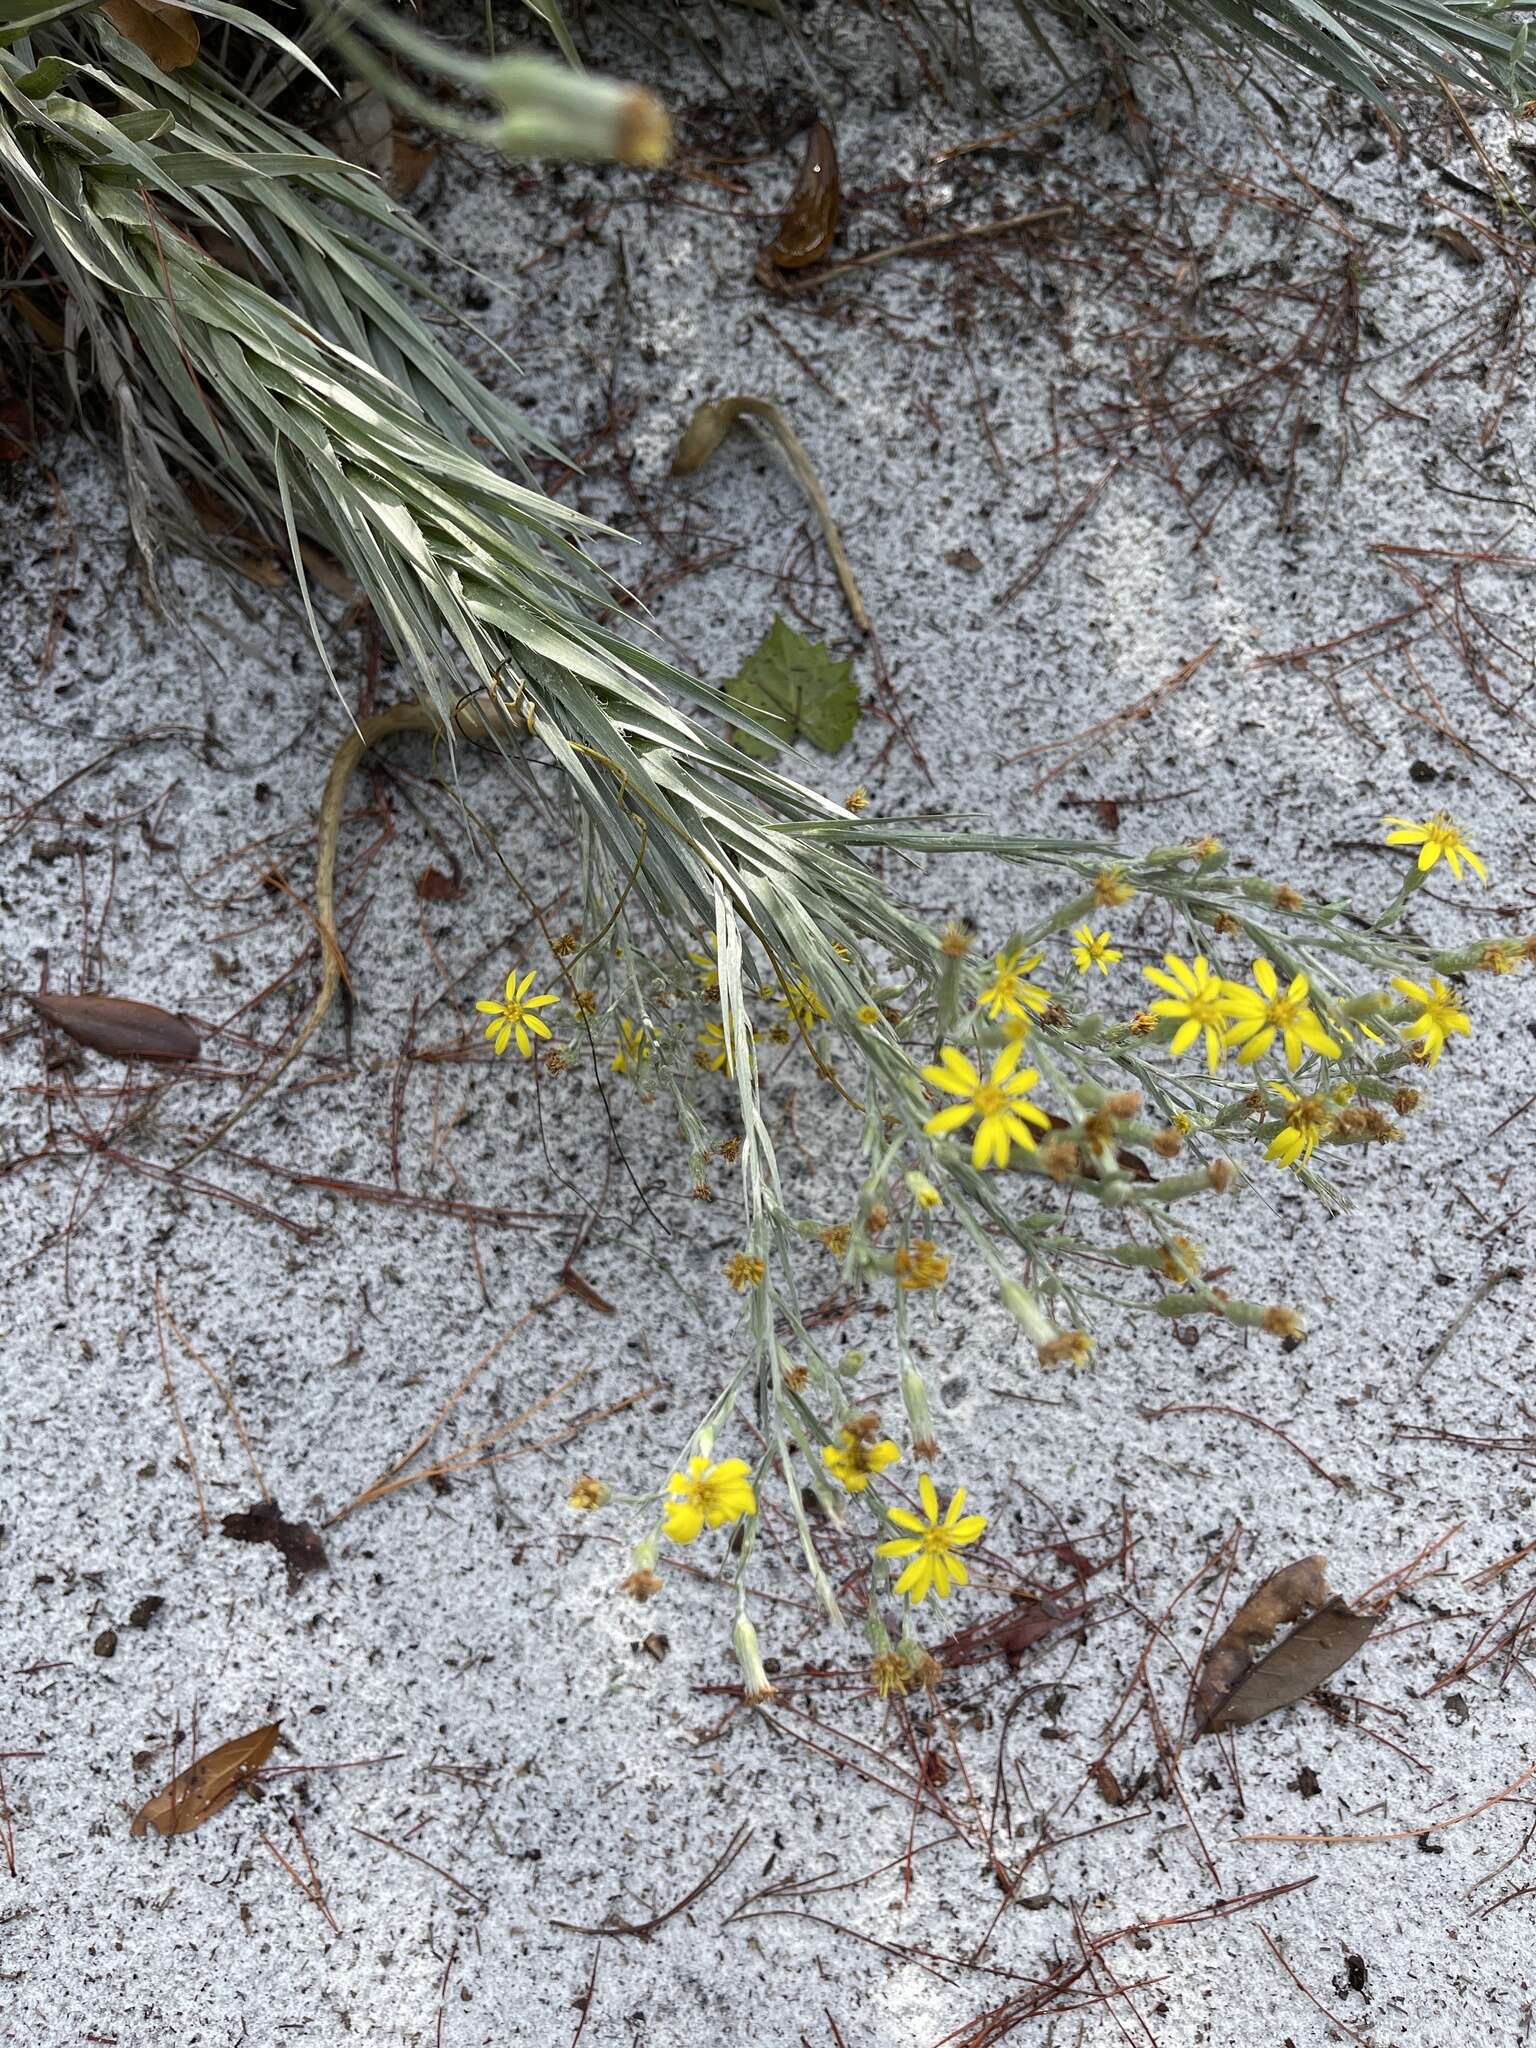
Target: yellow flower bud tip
957,938
856,800
1282,1322
1071,1347
641,1586
644,130
742,1270
1111,889
1143,1024
1205,848
889,1674
867,1014
836,1238
587,1493
755,1683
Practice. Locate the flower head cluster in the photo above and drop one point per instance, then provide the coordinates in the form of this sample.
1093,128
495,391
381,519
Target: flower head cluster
1262,1014
856,1458
707,1496
1440,1016
1003,1116
515,1015
932,1566
1197,999
1307,1118
1094,949
1437,837
1009,994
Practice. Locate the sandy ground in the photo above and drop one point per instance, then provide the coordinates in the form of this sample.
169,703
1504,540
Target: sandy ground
1199,417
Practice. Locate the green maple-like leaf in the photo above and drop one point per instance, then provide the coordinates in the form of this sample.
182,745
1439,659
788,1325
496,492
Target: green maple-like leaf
798,691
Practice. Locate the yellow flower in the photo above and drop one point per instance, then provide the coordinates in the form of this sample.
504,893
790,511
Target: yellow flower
707,1494
923,1191
634,1047
920,1266
856,800
1181,1261
932,1545
744,1271
854,1461
1263,1014
514,1017
709,969
1307,1119
867,1014
998,1101
715,1051
1198,998
1440,1018
1093,949
802,1003
1436,836
1008,993
587,1493
1111,889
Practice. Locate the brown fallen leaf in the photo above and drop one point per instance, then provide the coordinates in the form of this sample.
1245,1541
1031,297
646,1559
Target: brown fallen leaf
119,1027
810,219
365,133
166,34
297,1543
206,1786
1235,1691
433,886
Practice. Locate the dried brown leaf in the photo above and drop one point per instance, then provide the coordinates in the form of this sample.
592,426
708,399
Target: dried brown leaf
810,219
433,886
1235,1691
118,1027
206,1787
166,34
297,1543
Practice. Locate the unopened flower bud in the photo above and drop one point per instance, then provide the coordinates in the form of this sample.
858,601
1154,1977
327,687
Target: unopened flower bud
914,1398
755,1683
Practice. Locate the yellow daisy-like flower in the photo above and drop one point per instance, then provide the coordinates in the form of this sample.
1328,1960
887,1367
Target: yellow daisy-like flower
853,1461
867,1014
1261,1015
930,1549
515,1016
714,1049
1440,1018
1008,993
707,1496
1093,949
801,1002
1307,1118
1198,998
1437,836
1005,1117
920,1266
634,1047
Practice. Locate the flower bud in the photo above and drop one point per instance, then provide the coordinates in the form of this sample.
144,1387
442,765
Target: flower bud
754,1679
914,1396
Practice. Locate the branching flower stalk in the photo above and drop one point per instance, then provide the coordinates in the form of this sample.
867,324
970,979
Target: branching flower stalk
226,282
